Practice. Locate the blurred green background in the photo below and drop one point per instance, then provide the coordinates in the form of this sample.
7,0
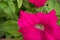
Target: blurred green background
9,13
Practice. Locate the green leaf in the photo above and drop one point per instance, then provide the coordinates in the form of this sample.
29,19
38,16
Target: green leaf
56,6
7,9
10,27
2,5
39,9
8,0
1,20
11,6
59,21
2,34
19,3
8,35
50,5
26,5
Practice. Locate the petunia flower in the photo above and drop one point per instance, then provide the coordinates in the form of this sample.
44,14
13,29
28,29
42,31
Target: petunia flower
39,26
38,3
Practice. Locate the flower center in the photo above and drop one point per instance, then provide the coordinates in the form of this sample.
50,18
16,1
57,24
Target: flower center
41,27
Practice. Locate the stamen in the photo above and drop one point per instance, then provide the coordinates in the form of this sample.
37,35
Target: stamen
41,27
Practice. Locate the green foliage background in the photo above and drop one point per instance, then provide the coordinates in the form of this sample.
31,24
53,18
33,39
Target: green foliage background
9,12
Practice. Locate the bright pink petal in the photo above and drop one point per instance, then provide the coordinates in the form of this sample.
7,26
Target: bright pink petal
49,37
27,23
50,23
52,27
31,33
28,19
38,3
